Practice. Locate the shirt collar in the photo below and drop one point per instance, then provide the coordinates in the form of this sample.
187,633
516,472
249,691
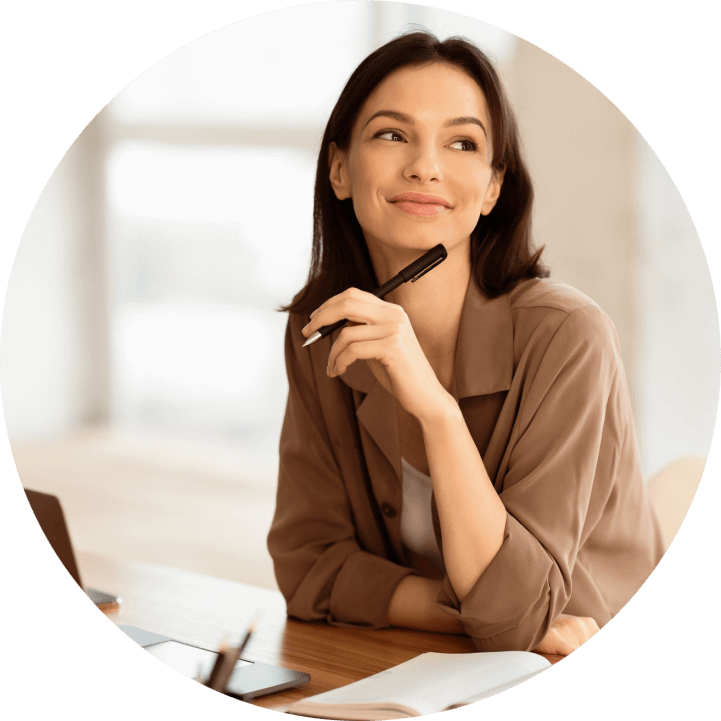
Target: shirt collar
484,352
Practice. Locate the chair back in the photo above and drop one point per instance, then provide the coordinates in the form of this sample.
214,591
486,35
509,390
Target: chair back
672,489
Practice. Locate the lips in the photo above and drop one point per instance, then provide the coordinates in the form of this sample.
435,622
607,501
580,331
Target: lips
420,198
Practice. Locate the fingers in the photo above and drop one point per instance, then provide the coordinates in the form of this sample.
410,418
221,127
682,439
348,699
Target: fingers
567,633
555,643
590,628
581,628
564,645
350,293
355,305
362,342
375,319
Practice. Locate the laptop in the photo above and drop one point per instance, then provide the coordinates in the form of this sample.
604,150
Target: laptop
49,513
248,680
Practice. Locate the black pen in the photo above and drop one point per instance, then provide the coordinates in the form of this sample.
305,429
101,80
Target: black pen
411,273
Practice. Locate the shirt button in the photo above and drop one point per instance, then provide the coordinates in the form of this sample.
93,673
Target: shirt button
388,510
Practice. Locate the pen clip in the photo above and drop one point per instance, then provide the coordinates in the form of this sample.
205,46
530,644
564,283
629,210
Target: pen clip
423,272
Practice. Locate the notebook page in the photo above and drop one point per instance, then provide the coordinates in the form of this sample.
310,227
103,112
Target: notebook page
434,681
492,692
480,677
445,679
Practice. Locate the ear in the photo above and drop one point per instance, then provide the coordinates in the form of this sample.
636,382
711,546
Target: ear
338,172
493,192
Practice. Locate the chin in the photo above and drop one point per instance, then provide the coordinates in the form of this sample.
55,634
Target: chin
414,241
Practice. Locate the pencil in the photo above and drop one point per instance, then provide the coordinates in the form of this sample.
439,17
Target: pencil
225,663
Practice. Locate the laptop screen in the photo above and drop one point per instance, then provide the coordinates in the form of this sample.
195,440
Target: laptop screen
49,513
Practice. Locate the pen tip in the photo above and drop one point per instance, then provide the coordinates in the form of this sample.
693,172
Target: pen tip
312,339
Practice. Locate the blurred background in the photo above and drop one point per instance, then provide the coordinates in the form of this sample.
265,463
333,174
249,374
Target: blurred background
142,371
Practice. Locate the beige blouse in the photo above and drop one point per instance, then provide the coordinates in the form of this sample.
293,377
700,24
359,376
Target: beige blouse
417,532
541,386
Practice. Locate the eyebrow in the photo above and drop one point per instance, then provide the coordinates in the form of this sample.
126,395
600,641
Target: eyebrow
403,118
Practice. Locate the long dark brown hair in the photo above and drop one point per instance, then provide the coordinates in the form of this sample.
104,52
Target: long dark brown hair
501,249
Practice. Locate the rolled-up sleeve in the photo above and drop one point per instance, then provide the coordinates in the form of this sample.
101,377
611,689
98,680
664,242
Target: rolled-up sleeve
321,569
564,448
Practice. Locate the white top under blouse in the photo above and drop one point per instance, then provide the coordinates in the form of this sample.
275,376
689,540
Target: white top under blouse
416,519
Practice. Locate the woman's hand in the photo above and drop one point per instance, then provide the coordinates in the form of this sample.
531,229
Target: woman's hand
384,338
566,634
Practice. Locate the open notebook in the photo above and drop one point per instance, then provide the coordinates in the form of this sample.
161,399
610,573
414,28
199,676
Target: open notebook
427,684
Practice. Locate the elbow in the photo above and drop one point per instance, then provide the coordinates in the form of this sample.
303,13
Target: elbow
525,634
523,637
515,601
515,619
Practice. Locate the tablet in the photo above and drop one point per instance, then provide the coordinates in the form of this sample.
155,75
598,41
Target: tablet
248,680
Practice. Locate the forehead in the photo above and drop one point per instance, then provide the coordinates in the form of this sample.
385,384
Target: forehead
435,91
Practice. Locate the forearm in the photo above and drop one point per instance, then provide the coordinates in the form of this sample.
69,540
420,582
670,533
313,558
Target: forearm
413,605
471,514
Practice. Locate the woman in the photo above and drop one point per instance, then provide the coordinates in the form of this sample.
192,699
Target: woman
461,456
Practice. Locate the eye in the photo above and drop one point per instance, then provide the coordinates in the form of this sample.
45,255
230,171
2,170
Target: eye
466,145
392,135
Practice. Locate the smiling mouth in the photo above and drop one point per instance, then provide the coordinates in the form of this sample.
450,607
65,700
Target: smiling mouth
421,198
408,206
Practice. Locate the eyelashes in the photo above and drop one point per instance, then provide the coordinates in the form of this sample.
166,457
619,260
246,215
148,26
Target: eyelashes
467,141
471,145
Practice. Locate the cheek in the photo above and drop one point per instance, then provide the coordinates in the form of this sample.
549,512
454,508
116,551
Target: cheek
363,207
374,165
365,190
474,186
485,185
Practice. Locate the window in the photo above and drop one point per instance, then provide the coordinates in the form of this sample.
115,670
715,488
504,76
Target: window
209,173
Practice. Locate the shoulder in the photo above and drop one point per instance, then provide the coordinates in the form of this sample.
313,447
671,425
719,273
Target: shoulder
550,294
549,315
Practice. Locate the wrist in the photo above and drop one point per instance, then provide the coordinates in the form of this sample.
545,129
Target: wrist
444,410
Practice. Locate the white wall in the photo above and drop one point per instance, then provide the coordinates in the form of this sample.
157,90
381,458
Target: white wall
41,352
678,361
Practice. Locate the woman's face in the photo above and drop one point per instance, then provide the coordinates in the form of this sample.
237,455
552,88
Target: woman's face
418,167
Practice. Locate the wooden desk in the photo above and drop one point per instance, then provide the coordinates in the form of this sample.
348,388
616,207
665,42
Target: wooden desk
200,610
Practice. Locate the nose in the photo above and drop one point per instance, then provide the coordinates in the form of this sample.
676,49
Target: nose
423,164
